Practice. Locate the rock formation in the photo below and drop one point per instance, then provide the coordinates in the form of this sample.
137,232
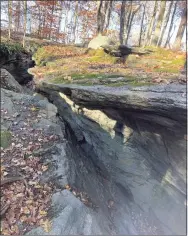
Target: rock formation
125,147
143,161
17,65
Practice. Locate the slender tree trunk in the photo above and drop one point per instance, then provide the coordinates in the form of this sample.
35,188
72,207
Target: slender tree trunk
122,23
60,18
108,9
103,15
159,23
142,22
75,21
39,27
99,17
18,15
25,21
66,21
181,29
129,16
165,25
151,23
171,25
130,22
51,22
9,18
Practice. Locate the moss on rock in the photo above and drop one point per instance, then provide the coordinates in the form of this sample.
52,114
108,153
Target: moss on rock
6,137
8,49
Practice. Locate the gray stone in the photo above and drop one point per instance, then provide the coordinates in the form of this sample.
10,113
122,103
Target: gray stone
99,41
8,81
71,217
145,175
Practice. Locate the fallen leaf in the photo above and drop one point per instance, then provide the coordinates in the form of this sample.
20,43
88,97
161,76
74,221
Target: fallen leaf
43,213
46,225
67,187
44,168
25,210
23,219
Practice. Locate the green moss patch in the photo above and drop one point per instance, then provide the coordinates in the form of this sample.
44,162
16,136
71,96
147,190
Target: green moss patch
72,77
6,137
8,49
100,56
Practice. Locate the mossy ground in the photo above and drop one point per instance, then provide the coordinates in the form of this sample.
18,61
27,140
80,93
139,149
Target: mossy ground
9,48
5,138
68,64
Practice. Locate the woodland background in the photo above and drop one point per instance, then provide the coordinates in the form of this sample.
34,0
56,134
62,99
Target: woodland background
138,23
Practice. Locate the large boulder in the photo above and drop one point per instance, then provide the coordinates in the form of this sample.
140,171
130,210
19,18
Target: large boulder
99,41
8,81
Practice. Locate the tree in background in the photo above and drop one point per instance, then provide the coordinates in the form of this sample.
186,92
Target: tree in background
9,18
142,23
18,15
167,17
78,21
151,24
122,23
181,29
159,23
171,25
133,10
103,15
25,21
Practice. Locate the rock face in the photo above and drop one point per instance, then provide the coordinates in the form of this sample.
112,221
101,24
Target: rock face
124,147
99,41
17,65
143,160
8,81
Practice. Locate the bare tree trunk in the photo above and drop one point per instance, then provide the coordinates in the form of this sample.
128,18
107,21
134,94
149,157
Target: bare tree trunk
165,25
159,23
122,23
51,22
181,29
130,22
39,28
108,9
150,26
171,24
18,15
99,17
25,21
142,22
75,21
103,15
66,21
9,18
60,17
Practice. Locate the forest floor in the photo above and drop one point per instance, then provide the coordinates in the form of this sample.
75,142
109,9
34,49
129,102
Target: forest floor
58,64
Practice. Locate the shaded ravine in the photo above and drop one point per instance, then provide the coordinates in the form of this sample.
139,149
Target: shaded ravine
140,170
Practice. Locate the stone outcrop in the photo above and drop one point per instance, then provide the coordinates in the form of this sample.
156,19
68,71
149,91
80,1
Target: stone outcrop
8,81
141,157
17,65
99,41
125,147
